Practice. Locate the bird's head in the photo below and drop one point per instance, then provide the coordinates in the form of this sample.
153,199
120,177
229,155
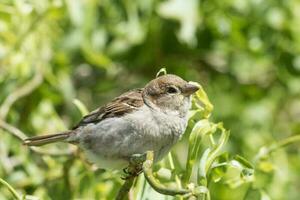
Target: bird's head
169,93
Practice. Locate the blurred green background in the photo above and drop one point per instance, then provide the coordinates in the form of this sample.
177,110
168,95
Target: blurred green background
245,53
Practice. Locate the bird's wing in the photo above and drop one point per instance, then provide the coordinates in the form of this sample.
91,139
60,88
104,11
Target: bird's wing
119,106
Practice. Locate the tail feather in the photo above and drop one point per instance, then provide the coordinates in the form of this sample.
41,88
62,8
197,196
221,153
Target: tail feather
46,139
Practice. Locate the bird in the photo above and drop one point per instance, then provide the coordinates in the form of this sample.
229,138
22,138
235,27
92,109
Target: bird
152,118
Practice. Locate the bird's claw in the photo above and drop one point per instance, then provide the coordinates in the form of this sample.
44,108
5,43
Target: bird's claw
137,159
132,171
125,170
135,166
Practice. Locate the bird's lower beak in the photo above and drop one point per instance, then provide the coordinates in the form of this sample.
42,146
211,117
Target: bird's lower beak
189,89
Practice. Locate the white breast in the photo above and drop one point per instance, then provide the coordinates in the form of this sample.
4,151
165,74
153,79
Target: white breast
159,130
111,142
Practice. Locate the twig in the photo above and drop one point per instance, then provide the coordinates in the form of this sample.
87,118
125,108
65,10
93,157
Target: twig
285,142
132,171
123,192
11,189
17,133
20,92
264,151
30,29
13,130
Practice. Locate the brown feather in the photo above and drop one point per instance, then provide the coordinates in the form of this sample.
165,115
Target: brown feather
46,139
119,106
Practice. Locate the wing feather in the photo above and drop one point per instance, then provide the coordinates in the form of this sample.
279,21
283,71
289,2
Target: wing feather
121,105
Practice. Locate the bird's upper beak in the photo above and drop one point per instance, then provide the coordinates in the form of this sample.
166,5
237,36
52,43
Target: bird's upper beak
189,89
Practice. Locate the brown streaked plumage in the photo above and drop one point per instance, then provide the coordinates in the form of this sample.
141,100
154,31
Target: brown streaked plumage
150,118
119,106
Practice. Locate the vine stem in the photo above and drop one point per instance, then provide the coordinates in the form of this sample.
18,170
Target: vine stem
11,189
155,184
147,164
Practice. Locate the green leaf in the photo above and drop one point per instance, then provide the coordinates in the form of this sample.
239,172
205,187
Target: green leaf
81,107
201,176
200,129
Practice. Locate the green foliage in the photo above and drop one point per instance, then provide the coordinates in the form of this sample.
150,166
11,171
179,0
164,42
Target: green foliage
245,53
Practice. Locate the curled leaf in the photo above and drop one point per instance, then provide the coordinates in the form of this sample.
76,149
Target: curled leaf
162,71
201,102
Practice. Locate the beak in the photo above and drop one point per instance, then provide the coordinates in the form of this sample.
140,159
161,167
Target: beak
189,89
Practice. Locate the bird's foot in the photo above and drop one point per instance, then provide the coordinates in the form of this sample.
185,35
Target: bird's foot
135,166
137,159
130,172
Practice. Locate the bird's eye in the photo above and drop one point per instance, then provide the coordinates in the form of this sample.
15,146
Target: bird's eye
172,90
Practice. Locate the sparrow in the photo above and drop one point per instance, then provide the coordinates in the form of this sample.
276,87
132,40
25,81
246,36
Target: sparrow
152,118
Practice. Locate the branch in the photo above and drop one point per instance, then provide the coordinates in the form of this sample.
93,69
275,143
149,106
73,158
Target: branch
13,130
10,100
20,92
125,188
17,133
132,171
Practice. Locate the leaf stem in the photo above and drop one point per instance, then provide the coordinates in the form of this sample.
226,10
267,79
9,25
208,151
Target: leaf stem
171,162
